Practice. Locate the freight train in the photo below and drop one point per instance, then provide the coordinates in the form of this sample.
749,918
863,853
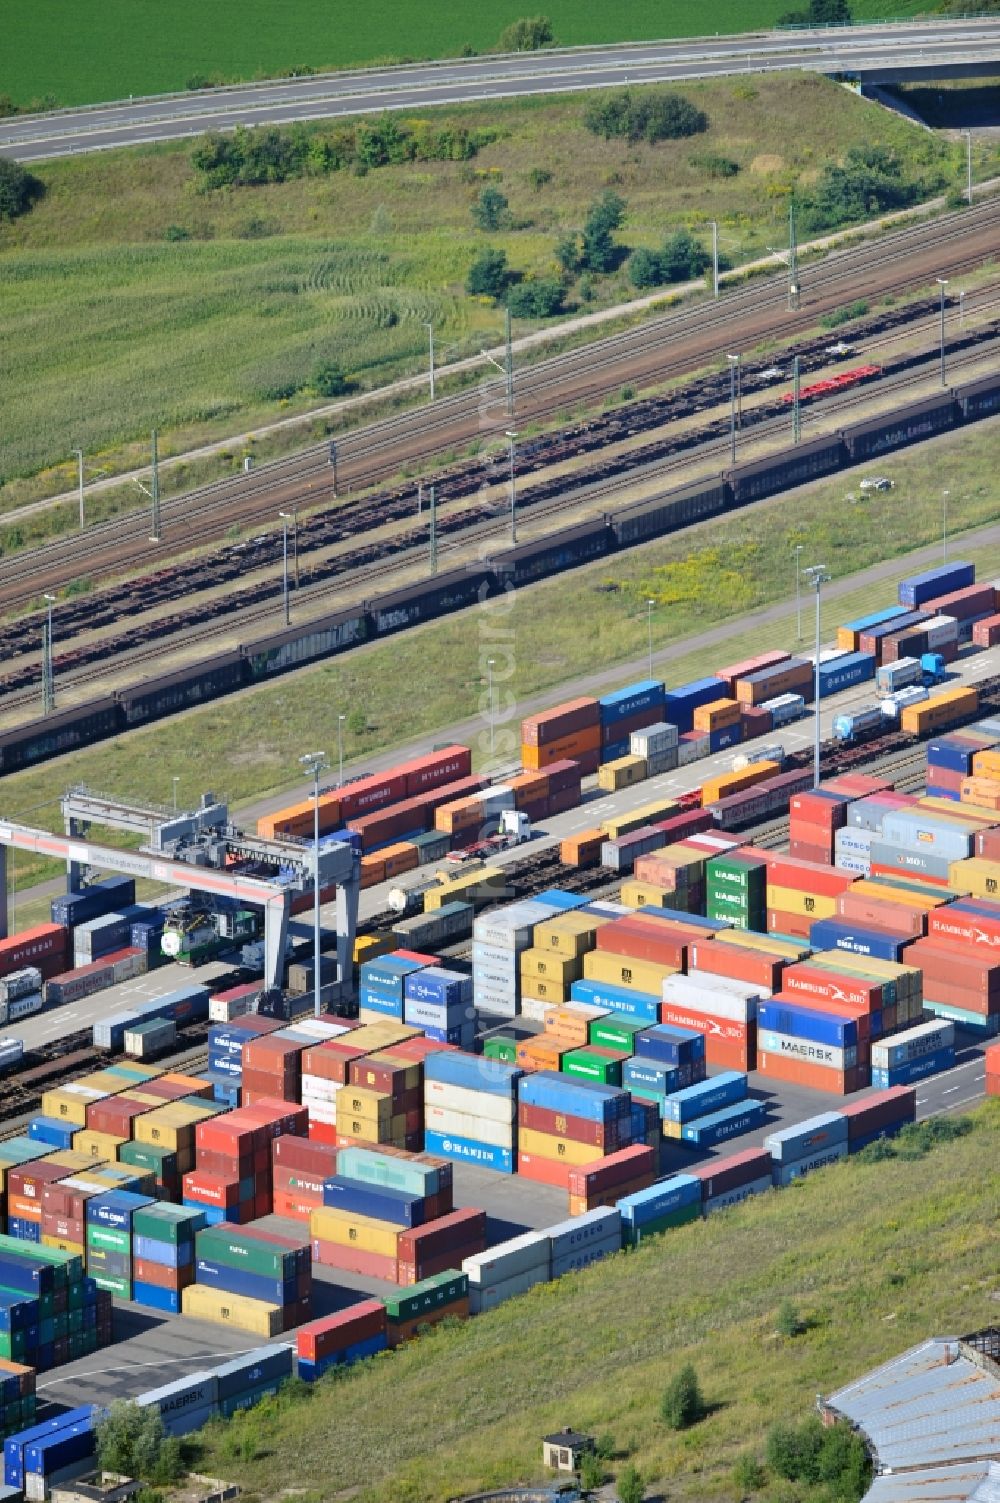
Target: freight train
264,658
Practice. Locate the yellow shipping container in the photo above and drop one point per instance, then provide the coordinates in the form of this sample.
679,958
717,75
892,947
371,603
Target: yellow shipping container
908,897
986,764
716,715
371,946
571,934
60,1243
544,990
363,1232
563,1150
673,1130
550,966
847,640
171,1126
622,970
485,885
370,1106
734,782
939,711
101,1146
203,1303
646,895
72,1162
968,815
981,793
793,900
69,1103
977,877
104,1082
374,1037
749,940
621,773
646,814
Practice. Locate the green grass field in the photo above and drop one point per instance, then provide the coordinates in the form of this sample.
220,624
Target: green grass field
112,328
876,1257
83,54
587,620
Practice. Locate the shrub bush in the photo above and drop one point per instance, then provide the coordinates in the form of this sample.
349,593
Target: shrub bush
645,116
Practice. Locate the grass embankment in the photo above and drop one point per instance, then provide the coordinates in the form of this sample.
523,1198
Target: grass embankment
113,327
875,1257
124,47
584,622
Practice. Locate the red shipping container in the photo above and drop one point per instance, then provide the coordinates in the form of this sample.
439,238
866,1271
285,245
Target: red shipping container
28,1180
383,1072
802,850
731,1046
145,1271
331,1061
814,1077
810,980
858,784
988,844
411,813
443,765
428,1267
882,913
749,665
369,794
323,1132
973,600
806,876
353,1260
654,942
461,1229
563,776
299,1153
561,721
420,1047
258,1087
944,780
544,1171
577,1129
818,808
45,946
332,1333
616,1169
986,633
756,967
794,925
621,730
949,926
65,1228
899,1104
720,1176
969,970
211,1190
115,1114
756,721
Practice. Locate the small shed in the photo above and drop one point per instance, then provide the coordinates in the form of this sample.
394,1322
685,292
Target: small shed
564,1451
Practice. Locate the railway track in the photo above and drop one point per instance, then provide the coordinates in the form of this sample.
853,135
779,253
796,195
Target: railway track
242,610
658,351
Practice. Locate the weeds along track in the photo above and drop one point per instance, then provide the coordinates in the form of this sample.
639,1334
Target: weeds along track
894,754
459,524
662,349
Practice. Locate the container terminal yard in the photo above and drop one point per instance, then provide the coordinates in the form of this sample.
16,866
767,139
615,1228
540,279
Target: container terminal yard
651,970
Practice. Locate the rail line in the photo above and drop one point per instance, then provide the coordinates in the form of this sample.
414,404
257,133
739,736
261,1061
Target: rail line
146,643
659,350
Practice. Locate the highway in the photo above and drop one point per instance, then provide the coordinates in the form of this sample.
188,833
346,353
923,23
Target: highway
872,51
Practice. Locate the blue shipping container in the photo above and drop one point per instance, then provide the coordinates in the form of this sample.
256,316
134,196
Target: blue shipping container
729,1122
660,1200
877,618
564,902
729,735
358,1199
241,1281
674,1046
841,673
576,1098
470,1151
915,1069
623,703
52,1132
14,1446
651,1077
474,1072
785,1015
641,1005
707,1097
917,588
155,1298
838,934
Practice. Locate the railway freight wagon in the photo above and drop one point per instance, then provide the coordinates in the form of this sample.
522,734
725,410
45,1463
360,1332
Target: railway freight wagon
581,543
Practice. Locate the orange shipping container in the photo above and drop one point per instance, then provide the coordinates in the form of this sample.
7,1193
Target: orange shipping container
939,711
982,792
399,858
463,814
372,870
576,747
582,850
299,819
734,782
717,715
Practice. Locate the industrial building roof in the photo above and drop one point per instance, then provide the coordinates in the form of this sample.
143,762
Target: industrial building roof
932,1420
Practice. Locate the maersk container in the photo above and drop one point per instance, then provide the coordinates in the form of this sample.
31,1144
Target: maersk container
575,1098
706,1097
734,1197
913,1043
843,673
782,1016
944,580
472,1073
914,1069
527,1253
789,1046
728,1122
840,934
673,1046
470,1151
618,999
784,1174
813,1136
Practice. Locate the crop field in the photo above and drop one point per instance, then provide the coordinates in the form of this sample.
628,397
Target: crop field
874,1257
584,622
132,298
86,54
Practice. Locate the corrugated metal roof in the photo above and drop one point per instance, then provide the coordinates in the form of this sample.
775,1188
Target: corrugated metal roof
947,1484
928,1408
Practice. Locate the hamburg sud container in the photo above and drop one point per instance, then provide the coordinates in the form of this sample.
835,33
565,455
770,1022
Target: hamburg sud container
725,1182
672,1202
807,1146
470,1110
340,1339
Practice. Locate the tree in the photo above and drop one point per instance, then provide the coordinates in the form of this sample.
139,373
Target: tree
787,1321
528,34
748,1475
645,116
683,257
682,1404
539,297
819,13
567,253
19,189
329,380
130,1440
488,275
591,1472
491,210
630,1486
644,268
599,250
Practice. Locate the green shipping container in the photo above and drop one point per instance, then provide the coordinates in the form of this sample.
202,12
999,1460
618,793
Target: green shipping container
616,1033
236,1251
129,1071
161,1161
167,1223
108,1239
503,1049
587,1065
13,1345
430,1294
633,1237
118,1286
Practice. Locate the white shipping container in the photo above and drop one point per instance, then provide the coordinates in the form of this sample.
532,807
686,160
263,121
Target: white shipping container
11,1051
600,1225
653,738
733,1197
789,1046
534,1009
941,631
893,703
660,762
23,983
489,1297
692,751
784,708
494,957
582,1257
510,928
784,1174
465,1125
914,1043
489,979
315,1088
483,1104
700,994
497,1004
524,1254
